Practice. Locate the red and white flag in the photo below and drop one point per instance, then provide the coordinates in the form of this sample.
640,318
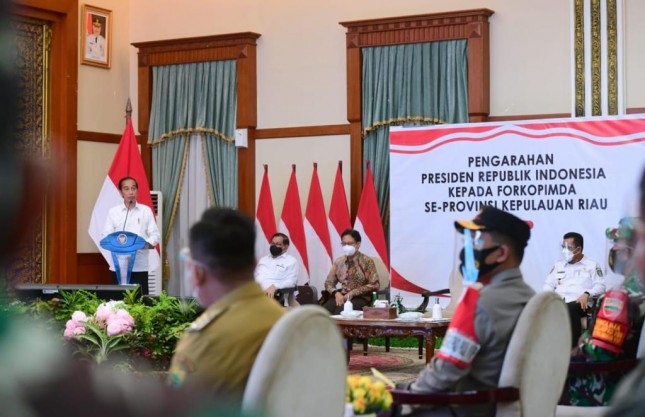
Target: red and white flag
339,219
127,162
368,222
264,218
291,225
317,234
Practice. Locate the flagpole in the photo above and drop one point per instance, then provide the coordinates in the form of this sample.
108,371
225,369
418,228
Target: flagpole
128,111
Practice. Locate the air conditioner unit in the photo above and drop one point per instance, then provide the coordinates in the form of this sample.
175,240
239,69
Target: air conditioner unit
155,279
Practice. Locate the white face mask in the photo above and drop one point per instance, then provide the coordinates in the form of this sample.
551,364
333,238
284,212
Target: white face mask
349,250
567,255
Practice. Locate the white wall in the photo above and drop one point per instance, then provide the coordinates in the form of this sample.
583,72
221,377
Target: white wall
279,154
302,69
102,97
634,53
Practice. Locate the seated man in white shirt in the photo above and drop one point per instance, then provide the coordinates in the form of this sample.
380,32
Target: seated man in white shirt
277,270
576,278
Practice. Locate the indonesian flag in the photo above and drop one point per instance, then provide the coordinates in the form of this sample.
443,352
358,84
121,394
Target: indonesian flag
264,218
126,163
317,234
338,214
368,222
292,226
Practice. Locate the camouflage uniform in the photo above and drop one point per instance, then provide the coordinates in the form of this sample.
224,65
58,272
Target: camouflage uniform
597,389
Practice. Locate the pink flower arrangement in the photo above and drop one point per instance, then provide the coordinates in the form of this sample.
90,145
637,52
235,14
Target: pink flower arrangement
76,325
110,321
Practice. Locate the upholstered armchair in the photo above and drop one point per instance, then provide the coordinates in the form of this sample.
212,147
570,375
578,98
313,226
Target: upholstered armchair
534,368
300,369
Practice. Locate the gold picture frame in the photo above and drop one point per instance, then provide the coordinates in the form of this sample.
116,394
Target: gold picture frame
96,36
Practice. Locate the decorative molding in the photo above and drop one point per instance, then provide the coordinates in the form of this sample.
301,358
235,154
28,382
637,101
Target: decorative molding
418,28
302,131
200,49
596,59
612,57
579,54
88,136
471,25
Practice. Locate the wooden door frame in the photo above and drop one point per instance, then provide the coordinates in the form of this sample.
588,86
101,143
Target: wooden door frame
471,25
238,46
60,242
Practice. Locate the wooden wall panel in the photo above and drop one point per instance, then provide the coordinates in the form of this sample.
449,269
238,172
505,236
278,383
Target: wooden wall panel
92,269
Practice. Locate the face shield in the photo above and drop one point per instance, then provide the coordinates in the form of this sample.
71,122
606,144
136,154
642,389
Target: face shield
465,262
619,250
187,288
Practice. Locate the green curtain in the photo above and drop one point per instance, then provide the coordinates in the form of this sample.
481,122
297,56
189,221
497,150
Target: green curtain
221,157
415,84
194,98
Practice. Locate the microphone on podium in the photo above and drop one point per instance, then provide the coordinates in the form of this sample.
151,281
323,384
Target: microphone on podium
130,201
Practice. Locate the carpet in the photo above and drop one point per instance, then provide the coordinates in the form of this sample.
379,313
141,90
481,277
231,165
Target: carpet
400,365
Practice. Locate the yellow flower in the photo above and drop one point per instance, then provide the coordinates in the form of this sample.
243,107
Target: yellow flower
359,405
366,395
353,381
387,402
359,393
365,381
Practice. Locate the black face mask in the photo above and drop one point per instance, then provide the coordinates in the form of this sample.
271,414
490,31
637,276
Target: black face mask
617,262
275,250
480,255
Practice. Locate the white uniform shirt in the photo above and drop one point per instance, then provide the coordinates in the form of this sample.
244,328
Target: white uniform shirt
95,47
140,221
281,271
570,281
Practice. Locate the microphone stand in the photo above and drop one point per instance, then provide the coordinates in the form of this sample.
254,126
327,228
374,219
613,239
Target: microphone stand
126,214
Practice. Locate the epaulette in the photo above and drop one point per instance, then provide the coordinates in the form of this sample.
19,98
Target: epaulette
205,319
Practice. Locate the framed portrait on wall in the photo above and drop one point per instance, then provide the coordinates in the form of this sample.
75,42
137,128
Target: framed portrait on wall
96,36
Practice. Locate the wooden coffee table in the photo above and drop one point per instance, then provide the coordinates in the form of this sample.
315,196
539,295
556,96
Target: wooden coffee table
364,328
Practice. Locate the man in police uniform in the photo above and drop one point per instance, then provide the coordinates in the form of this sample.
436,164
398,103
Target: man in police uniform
575,278
219,348
473,349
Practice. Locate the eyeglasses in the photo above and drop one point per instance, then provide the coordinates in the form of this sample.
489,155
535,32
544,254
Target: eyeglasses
348,243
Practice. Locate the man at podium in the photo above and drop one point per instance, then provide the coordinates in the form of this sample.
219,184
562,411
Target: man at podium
136,218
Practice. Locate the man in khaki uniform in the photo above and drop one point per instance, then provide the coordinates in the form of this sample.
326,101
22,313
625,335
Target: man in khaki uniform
219,348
